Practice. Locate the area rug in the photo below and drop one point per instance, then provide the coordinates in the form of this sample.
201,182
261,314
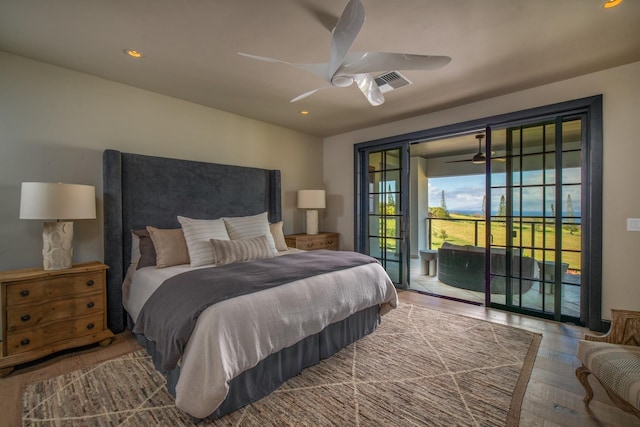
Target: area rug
421,367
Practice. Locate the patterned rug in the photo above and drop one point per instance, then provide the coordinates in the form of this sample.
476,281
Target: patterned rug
421,367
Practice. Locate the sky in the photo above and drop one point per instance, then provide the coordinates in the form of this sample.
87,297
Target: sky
465,193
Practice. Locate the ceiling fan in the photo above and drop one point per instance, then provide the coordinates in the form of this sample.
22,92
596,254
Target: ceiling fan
344,68
479,158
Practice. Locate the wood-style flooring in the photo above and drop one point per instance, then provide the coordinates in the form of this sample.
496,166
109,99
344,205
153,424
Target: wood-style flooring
553,397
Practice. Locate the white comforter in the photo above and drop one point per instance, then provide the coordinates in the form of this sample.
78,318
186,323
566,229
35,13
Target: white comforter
232,336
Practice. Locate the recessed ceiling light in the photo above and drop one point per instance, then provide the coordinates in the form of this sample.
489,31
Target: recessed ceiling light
133,53
611,3
304,112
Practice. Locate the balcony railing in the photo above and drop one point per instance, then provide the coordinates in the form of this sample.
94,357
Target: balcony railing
532,236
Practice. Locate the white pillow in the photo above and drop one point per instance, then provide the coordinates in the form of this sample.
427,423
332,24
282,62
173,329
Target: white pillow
249,227
198,233
228,251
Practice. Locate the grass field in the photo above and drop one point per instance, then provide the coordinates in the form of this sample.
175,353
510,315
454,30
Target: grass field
536,239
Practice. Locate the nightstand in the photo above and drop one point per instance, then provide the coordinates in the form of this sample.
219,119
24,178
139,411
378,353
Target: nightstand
47,311
312,242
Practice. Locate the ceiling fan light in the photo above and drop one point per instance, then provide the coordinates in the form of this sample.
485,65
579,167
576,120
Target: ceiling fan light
479,159
342,81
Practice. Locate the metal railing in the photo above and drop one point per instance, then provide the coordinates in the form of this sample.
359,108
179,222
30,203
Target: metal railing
531,234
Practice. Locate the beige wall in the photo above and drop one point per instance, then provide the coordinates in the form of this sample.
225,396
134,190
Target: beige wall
620,88
55,124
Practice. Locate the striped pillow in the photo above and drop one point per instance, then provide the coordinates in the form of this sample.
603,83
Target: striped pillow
228,251
197,233
248,227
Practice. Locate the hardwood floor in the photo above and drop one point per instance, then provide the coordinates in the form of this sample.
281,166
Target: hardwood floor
553,397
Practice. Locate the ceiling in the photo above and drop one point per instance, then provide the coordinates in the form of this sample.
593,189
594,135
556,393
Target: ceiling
191,50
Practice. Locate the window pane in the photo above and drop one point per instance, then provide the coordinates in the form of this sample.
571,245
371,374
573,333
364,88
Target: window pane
375,160
392,159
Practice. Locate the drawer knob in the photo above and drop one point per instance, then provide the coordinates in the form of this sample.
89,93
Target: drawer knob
329,242
309,245
90,304
90,326
24,293
25,341
25,318
90,282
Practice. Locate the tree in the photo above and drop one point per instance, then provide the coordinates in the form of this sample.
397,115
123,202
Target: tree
553,210
502,208
484,204
571,214
437,213
443,204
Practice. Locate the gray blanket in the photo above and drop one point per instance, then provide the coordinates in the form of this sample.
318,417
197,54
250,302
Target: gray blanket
169,315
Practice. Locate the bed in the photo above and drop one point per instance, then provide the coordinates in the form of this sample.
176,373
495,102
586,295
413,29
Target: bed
213,377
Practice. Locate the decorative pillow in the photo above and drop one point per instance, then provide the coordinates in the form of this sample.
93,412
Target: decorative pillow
278,236
147,252
171,249
197,233
248,227
228,251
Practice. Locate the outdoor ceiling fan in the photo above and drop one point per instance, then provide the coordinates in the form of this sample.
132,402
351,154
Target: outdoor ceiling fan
479,158
344,68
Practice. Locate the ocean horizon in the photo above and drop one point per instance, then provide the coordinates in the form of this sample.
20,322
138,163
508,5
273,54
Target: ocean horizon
478,212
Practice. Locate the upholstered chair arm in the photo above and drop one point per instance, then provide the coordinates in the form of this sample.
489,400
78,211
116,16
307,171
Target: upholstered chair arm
625,329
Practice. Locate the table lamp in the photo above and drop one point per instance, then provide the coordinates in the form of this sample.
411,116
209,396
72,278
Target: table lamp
57,201
311,200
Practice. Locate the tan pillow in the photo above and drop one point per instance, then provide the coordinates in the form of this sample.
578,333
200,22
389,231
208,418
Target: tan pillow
278,236
228,251
170,246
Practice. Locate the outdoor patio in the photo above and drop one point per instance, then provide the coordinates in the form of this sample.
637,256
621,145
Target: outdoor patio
532,299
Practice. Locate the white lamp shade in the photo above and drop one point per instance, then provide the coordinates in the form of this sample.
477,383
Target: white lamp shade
311,199
46,200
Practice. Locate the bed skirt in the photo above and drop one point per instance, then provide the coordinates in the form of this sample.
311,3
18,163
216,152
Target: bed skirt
276,369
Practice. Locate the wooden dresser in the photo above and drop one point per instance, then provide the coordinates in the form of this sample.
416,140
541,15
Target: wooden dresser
47,311
312,242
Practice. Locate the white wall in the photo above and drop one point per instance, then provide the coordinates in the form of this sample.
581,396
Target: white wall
55,124
620,88
419,205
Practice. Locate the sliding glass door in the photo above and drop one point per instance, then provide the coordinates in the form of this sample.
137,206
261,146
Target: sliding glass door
535,222
383,201
542,232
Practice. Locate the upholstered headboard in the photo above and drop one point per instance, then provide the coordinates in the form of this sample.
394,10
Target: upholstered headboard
144,190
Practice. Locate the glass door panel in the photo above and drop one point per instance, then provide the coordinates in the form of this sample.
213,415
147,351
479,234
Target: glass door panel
535,220
385,217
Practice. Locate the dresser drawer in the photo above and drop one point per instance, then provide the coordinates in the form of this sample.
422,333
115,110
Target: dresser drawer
24,340
319,243
22,316
312,242
33,291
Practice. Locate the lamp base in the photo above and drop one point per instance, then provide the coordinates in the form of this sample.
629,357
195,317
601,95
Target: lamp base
57,245
312,221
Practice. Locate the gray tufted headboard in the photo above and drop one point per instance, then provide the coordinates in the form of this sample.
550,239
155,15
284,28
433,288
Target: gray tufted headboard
144,190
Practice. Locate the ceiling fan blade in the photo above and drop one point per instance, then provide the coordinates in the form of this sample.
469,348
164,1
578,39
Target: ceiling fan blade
369,62
311,92
459,161
344,34
319,70
369,88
